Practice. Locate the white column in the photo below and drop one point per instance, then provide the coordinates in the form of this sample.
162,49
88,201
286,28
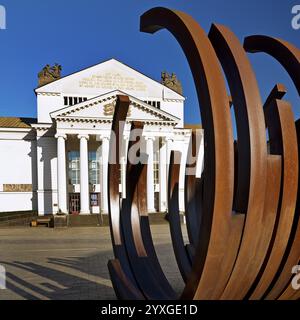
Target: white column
184,154
169,145
163,177
104,175
200,160
84,175
150,174
61,173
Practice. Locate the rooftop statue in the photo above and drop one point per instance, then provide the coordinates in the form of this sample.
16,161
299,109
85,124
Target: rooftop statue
172,82
49,74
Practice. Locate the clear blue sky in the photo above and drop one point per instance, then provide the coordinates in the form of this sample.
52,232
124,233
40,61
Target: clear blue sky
80,33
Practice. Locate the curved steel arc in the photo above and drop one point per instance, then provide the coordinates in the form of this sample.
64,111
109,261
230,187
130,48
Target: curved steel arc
219,153
144,227
147,271
291,254
284,52
283,141
121,274
285,255
252,155
243,214
181,254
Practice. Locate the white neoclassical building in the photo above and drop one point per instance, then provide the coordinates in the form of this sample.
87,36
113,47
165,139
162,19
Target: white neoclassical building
58,162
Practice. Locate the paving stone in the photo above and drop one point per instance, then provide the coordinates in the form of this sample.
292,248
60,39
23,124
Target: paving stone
68,264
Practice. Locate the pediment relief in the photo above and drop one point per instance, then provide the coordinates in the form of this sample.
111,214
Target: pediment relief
109,109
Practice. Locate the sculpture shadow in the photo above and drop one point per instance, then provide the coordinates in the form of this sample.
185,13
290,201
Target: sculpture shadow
75,278
73,281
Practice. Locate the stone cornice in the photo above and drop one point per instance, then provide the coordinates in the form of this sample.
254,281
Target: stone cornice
15,129
106,120
42,126
54,94
173,100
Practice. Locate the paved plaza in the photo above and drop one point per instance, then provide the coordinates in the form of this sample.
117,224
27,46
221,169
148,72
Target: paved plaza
68,264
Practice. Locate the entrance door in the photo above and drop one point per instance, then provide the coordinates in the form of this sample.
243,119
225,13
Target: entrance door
74,203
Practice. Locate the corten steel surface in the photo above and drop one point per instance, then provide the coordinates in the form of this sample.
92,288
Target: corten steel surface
181,254
252,153
215,228
124,282
243,213
136,267
286,250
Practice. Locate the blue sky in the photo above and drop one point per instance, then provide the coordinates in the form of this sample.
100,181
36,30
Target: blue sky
80,33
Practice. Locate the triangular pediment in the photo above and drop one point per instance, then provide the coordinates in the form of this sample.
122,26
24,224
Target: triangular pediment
108,76
102,108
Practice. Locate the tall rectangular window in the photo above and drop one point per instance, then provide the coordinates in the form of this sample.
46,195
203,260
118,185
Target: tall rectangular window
74,167
94,168
156,167
94,199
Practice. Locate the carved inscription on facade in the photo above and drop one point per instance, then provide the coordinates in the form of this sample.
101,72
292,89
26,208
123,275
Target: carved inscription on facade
17,188
111,80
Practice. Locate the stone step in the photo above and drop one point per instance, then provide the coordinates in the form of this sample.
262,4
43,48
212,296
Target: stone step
60,221
17,219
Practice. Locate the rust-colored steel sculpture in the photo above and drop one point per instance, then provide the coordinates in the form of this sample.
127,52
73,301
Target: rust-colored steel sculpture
242,215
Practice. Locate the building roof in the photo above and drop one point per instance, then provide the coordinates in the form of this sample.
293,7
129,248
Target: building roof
193,126
12,122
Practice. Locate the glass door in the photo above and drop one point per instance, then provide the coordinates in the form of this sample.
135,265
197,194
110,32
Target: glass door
74,203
